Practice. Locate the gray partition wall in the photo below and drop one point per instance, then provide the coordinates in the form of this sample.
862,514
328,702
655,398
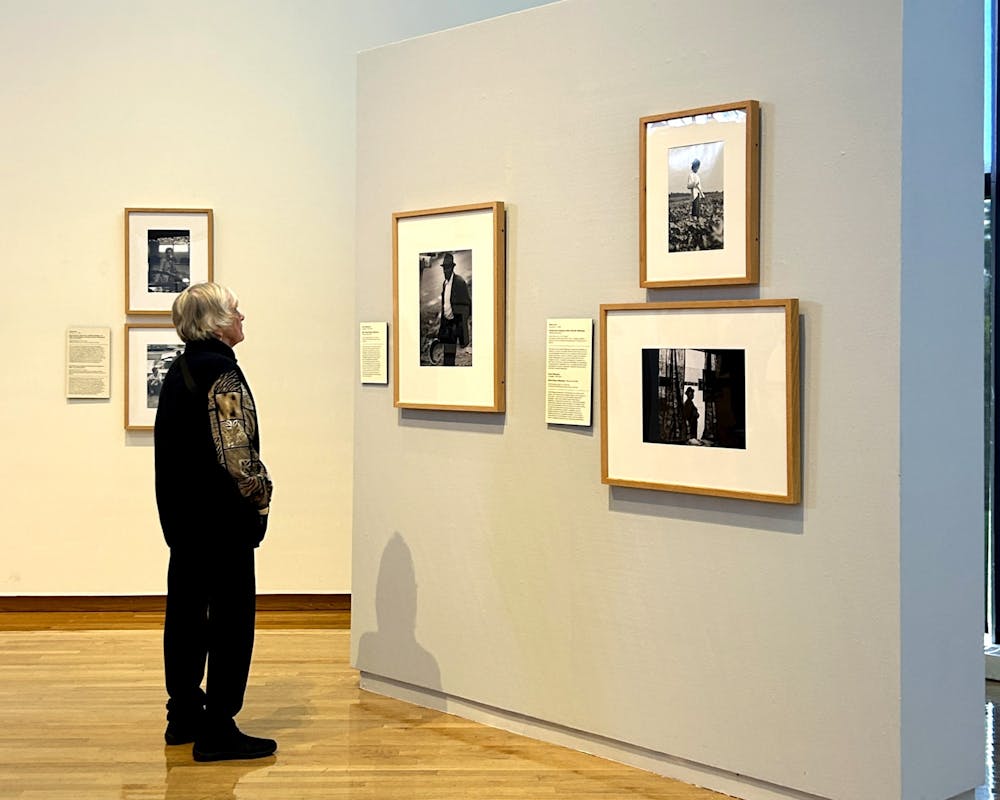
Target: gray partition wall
827,649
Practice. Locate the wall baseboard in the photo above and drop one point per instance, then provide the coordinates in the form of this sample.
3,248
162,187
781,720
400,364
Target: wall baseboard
157,603
718,780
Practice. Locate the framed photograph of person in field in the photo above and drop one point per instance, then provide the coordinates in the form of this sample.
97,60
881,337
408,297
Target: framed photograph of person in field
702,398
448,308
699,196
166,250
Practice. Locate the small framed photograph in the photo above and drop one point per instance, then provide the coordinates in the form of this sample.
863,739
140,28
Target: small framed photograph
166,250
702,398
149,352
699,196
448,308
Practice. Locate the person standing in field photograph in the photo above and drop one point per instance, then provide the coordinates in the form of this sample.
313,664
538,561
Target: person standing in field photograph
695,208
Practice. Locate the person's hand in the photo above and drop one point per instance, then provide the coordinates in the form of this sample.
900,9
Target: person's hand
261,529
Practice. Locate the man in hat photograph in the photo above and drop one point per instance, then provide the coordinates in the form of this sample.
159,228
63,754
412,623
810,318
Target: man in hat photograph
691,414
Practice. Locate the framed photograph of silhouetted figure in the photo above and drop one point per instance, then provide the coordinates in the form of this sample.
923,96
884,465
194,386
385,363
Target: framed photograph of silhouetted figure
702,398
448,329
699,196
166,250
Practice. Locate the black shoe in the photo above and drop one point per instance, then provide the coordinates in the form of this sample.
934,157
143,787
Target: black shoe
232,745
184,730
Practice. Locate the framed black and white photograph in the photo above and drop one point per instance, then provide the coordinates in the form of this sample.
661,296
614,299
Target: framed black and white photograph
702,398
448,308
149,352
699,195
166,250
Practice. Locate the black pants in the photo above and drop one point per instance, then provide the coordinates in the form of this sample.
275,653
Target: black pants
211,605
450,335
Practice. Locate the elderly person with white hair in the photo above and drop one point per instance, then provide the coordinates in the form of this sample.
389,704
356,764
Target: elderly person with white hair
213,495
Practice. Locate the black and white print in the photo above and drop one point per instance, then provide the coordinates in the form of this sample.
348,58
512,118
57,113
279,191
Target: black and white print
446,308
695,185
159,357
694,397
169,260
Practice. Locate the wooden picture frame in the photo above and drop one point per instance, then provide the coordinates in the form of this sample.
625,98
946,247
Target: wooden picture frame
702,398
149,350
166,250
456,362
699,196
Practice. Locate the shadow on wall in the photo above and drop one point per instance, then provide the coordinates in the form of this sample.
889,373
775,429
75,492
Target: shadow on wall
393,651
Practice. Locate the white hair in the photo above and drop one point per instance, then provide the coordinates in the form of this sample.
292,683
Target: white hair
202,309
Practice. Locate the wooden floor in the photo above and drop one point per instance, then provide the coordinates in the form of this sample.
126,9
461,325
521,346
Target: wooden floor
81,716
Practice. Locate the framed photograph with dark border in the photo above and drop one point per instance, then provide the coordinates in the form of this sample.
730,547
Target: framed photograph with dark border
166,250
448,308
702,398
699,196
150,349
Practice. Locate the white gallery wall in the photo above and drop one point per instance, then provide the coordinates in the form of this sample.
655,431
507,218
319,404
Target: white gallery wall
829,649
246,109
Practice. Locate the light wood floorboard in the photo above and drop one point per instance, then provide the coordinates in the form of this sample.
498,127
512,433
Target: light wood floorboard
153,620
81,717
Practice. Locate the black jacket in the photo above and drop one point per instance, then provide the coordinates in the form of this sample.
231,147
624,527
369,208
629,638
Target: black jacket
210,482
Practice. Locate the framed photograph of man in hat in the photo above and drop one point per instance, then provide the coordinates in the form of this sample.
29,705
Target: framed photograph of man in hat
166,250
699,196
449,308
702,398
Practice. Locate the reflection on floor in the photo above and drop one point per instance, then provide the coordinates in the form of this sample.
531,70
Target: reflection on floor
81,717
